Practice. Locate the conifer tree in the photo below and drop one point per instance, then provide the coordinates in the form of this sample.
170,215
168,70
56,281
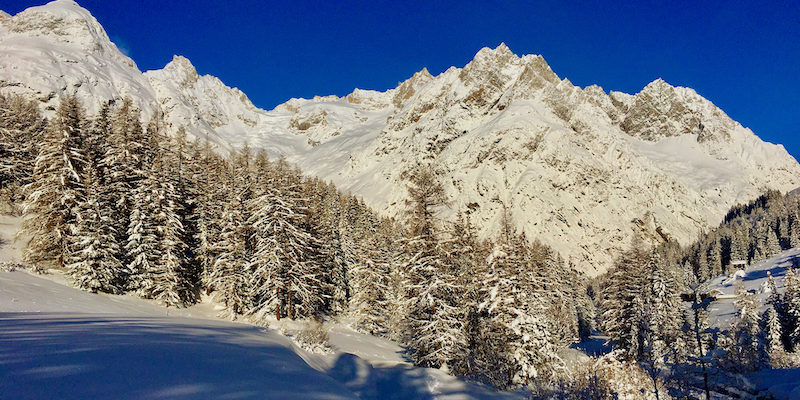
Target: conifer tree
56,188
791,310
370,287
434,328
770,242
739,245
92,263
284,280
794,230
211,180
520,316
744,349
21,127
714,259
770,334
622,308
172,281
126,152
662,303
229,276
142,247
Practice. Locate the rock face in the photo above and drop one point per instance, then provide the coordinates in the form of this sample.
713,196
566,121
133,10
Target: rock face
581,169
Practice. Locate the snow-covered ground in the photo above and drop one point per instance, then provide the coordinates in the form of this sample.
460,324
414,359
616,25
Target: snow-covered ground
10,250
783,384
60,342
755,280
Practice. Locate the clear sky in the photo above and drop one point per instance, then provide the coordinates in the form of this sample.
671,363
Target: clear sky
742,55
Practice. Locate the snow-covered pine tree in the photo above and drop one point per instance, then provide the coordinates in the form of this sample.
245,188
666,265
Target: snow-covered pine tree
126,146
744,348
714,258
21,127
370,275
790,317
56,188
173,284
284,281
660,333
662,303
184,169
739,244
771,288
770,242
434,329
142,247
794,229
337,253
621,304
212,177
771,346
520,317
229,276
696,338
92,264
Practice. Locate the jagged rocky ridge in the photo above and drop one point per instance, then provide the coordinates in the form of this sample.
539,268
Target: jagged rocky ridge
581,169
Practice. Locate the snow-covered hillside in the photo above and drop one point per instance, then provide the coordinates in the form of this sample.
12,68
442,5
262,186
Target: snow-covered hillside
781,383
579,168
755,279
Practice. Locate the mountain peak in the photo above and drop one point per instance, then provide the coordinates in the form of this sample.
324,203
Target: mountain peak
181,63
658,85
181,70
500,53
64,20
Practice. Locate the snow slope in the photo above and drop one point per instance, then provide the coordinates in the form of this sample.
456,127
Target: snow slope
582,169
783,384
60,342
755,279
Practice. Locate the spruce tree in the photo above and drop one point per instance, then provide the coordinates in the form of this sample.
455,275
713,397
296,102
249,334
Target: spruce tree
622,308
142,246
56,188
791,311
173,283
771,346
370,281
285,281
21,128
434,328
93,265
744,349
229,275
520,316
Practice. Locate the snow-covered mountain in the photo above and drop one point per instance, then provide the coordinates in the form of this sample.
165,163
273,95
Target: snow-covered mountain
581,169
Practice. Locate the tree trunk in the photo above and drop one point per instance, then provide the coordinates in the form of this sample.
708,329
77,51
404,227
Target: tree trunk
278,306
291,306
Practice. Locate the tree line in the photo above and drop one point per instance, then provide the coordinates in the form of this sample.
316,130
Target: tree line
123,206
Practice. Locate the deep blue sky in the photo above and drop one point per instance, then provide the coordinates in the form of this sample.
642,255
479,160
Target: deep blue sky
744,56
